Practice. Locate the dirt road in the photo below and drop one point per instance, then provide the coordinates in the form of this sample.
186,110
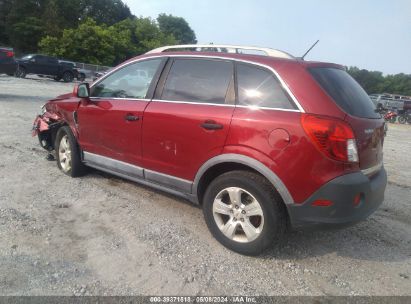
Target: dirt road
101,235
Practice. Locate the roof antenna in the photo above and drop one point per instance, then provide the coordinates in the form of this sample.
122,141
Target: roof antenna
305,54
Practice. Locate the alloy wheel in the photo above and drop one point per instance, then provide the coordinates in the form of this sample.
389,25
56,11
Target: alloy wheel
65,154
238,214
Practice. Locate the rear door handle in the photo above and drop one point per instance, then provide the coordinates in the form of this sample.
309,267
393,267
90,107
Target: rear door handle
130,117
211,125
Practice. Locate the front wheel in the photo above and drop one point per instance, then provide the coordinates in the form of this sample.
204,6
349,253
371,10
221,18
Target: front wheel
392,119
68,153
243,212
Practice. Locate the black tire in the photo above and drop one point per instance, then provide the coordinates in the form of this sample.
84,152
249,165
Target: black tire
68,76
393,119
77,167
81,77
56,78
21,72
273,210
402,119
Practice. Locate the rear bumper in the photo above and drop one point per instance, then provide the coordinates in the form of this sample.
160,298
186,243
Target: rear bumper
8,68
342,192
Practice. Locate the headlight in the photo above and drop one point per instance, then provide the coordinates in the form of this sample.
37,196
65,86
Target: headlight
42,109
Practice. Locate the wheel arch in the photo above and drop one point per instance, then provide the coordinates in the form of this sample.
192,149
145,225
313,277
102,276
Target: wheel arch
228,162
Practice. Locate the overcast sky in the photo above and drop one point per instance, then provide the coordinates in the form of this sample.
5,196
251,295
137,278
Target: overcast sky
371,34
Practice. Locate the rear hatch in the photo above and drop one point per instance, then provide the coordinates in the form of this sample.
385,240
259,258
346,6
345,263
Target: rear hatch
367,124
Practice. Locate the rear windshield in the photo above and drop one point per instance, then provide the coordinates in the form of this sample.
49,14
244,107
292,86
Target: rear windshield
345,91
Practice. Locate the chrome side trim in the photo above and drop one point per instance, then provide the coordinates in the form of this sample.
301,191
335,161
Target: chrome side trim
163,55
145,182
248,161
195,103
168,180
372,170
127,170
267,108
225,105
118,98
103,162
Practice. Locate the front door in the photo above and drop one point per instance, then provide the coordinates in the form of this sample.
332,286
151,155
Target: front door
110,122
188,121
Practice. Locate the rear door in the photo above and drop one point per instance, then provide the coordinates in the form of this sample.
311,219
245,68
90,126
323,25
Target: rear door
188,121
110,123
366,122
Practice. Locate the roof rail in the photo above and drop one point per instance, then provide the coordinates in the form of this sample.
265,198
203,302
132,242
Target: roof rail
224,48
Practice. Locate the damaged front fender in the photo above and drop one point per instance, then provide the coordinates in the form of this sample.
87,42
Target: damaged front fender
44,127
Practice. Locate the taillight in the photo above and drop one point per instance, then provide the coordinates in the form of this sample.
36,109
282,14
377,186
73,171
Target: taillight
9,54
333,137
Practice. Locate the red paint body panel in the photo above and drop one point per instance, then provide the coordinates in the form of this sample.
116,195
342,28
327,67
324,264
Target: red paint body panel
369,134
301,167
104,130
174,141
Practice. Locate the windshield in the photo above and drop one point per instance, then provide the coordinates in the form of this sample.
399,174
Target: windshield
345,91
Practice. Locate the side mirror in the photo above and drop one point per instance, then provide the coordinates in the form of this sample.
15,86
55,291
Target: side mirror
82,90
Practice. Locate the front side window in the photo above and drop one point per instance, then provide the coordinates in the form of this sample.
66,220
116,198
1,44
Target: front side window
259,87
131,81
198,80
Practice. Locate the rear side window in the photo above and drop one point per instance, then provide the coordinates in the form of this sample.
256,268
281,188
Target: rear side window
198,80
259,87
345,91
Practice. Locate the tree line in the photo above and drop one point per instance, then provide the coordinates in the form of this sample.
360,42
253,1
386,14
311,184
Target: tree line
93,31
375,82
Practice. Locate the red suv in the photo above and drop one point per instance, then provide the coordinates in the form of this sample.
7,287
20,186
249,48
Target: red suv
262,142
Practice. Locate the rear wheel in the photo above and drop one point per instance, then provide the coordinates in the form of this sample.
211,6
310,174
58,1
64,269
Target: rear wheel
392,119
243,212
81,77
21,72
68,153
56,78
402,119
68,77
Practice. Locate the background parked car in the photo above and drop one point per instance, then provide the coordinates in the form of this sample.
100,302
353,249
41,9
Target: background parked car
82,74
7,61
45,66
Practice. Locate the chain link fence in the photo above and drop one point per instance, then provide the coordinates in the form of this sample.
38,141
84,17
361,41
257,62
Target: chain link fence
90,70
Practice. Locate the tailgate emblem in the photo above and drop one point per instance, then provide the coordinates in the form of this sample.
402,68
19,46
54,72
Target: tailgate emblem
368,131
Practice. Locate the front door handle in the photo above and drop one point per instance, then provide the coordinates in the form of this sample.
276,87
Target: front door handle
131,117
211,125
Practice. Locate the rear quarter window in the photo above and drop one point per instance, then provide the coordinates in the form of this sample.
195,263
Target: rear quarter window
345,92
259,87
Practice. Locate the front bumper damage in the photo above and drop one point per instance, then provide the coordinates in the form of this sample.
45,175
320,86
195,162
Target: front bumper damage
44,127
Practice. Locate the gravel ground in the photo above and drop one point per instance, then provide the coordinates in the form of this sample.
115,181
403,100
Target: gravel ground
101,235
